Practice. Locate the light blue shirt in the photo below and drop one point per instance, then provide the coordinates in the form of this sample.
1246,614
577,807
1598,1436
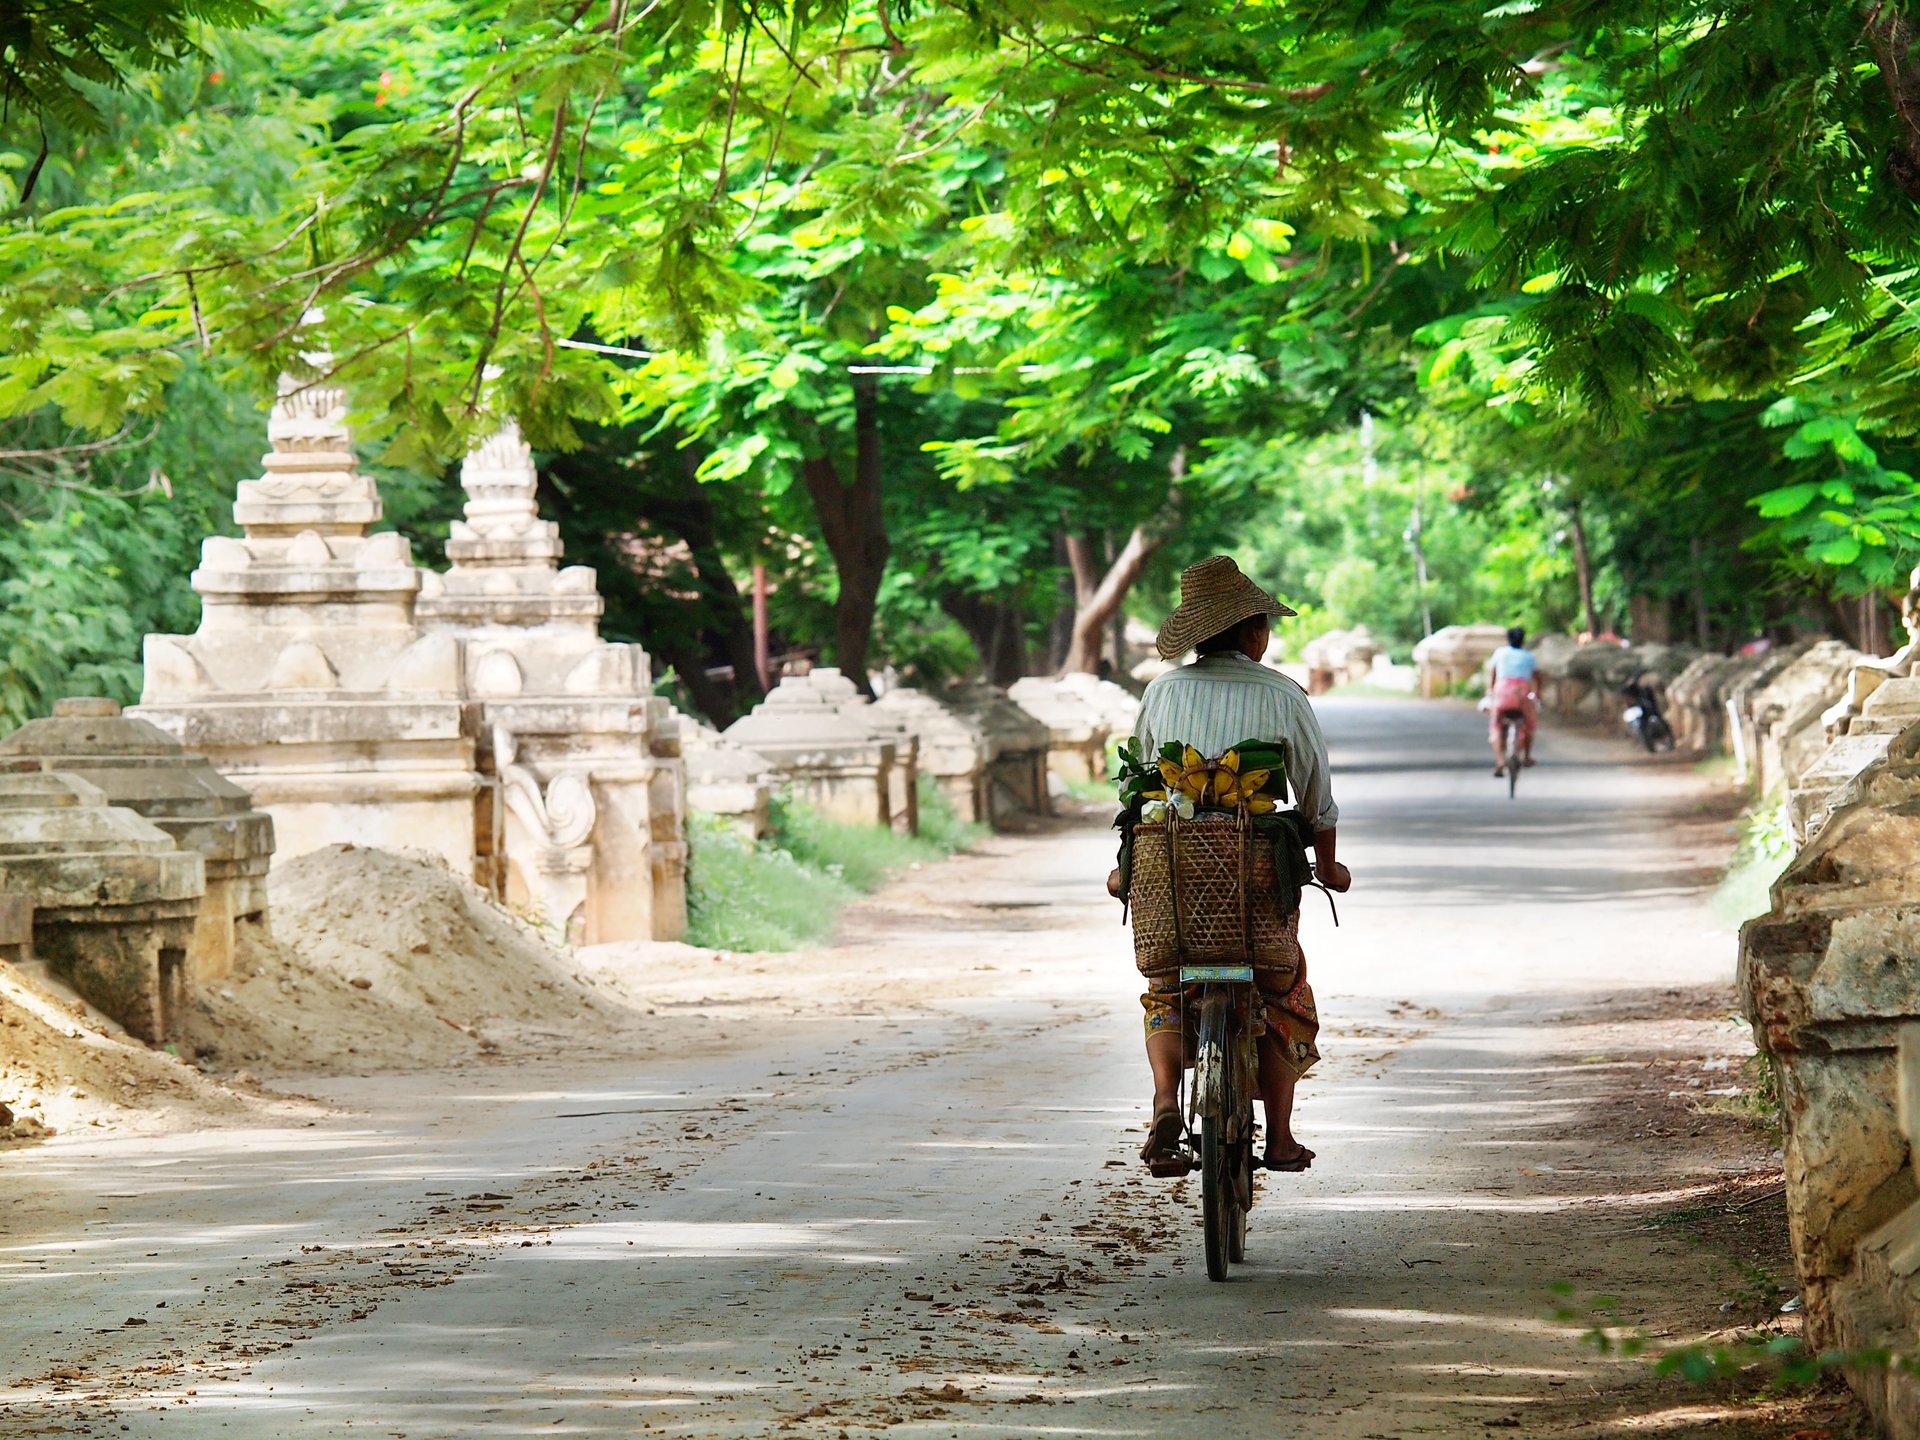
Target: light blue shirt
1512,664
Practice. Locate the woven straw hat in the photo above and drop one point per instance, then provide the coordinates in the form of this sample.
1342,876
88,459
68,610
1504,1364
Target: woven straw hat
1213,596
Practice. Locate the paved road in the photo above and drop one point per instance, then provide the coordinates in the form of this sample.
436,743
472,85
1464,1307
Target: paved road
900,1198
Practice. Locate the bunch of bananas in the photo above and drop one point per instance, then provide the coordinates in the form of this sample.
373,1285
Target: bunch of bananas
1221,784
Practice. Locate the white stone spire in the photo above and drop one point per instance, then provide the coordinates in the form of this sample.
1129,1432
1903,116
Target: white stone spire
313,480
503,528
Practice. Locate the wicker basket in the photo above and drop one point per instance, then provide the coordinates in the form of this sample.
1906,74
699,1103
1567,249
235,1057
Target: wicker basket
1205,891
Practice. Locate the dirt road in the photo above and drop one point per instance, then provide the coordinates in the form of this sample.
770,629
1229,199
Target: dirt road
890,1186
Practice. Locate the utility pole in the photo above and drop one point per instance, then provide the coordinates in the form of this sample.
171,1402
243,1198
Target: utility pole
1419,561
762,654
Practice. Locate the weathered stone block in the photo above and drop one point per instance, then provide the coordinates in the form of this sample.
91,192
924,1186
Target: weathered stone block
114,899
1083,714
1828,980
829,753
1455,653
139,766
16,927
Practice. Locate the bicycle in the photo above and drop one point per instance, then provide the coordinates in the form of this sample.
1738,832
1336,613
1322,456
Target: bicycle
1224,1074
1512,723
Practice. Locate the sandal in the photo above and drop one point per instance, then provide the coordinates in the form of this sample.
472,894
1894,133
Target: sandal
1162,1152
1298,1159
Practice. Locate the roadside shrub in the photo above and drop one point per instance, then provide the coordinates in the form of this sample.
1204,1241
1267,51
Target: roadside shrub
941,825
1764,850
865,856
742,896
786,892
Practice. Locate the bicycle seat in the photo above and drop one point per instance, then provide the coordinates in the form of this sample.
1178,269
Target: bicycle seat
1512,714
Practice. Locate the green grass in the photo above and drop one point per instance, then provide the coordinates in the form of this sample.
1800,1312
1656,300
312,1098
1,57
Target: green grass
1764,850
743,896
1090,792
786,892
1716,767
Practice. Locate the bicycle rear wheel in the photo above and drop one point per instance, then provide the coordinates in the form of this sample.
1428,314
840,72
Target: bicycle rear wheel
1223,1219
1217,1208
1513,758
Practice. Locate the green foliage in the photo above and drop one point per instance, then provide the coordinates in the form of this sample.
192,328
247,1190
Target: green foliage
1764,849
1127,265
940,822
864,856
96,547
1860,524
48,49
742,896
786,893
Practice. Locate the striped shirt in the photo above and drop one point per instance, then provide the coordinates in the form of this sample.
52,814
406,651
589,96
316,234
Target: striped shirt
1220,700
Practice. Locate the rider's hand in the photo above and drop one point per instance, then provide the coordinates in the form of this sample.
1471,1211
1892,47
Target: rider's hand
1113,882
1336,877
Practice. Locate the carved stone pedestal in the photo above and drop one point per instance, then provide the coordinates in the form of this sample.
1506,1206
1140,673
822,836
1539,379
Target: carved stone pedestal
144,769
307,682
1827,977
114,899
588,832
828,754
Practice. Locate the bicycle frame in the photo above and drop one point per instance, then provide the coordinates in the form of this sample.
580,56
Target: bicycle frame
1221,1100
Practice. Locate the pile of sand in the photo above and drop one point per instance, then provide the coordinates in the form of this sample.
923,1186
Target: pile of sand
383,960
64,1066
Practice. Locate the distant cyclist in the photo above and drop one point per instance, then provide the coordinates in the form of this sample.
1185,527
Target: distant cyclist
1514,672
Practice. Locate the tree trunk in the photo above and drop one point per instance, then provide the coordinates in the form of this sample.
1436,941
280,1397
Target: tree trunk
1702,622
1583,568
694,518
1890,35
998,632
719,702
1060,631
1098,597
855,529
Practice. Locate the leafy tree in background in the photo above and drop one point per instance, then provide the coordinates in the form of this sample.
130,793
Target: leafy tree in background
1654,257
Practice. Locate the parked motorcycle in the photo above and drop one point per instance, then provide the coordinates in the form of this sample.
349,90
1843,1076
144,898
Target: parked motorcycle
1643,718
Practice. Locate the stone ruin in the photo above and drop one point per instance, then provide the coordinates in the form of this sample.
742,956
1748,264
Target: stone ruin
142,768
1696,701
1083,715
986,754
1784,731
1880,699
585,808
1339,657
1877,1306
1454,654
1827,979
477,714
729,782
16,928
1017,748
821,737
903,793
113,899
308,682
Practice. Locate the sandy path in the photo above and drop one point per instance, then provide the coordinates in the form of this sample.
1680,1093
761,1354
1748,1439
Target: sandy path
888,1186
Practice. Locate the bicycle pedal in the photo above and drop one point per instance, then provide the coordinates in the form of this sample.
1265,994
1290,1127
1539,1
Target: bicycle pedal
1172,1167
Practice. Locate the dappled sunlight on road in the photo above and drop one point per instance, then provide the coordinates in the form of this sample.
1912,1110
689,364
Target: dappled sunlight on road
916,1208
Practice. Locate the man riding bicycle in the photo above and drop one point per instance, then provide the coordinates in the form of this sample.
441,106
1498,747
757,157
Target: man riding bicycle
1514,673
1224,697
